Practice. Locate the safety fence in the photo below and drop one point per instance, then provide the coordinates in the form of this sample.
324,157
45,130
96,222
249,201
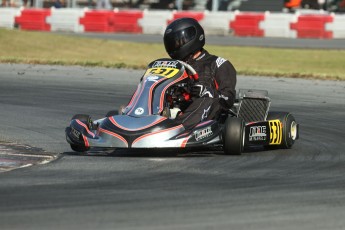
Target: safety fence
320,25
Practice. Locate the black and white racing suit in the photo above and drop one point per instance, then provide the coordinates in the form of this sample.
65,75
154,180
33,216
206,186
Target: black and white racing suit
218,78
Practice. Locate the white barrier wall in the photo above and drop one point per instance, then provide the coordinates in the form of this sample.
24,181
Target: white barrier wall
7,16
66,20
216,23
278,25
337,26
155,22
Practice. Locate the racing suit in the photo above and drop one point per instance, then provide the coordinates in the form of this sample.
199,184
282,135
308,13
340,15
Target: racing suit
217,81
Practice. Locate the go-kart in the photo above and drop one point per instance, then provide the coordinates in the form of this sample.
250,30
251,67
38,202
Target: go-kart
149,119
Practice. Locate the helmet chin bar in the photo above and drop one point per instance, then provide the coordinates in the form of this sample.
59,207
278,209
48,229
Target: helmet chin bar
193,56
188,58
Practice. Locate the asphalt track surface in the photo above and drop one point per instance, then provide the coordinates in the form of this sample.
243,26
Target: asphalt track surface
228,40
298,188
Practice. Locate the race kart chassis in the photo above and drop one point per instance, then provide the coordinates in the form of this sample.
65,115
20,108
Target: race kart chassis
144,123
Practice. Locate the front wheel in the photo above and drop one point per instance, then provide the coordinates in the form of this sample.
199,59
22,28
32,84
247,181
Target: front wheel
233,136
86,119
79,148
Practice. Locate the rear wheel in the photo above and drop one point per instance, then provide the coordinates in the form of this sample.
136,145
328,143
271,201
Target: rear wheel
233,136
290,128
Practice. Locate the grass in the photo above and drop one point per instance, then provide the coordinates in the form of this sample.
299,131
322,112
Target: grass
47,48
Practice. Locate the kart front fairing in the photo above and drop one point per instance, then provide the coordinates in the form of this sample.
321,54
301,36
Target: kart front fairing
150,95
147,121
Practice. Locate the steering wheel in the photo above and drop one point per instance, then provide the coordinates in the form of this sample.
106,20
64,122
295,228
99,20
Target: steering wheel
191,70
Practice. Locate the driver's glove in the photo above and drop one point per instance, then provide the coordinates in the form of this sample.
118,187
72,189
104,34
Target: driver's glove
200,90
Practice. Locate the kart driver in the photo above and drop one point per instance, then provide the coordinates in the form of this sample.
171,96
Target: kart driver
184,40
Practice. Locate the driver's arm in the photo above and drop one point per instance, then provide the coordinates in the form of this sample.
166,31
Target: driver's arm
226,80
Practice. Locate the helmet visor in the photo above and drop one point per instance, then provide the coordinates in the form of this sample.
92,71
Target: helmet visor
175,40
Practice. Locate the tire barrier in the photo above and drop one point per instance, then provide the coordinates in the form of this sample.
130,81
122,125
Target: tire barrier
33,19
244,24
247,24
127,21
312,26
98,21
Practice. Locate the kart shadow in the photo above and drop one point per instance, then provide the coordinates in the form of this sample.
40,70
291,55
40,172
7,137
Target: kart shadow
159,153
152,153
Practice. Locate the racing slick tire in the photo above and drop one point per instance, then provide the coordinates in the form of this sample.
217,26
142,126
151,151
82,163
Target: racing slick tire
290,132
86,119
79,148
233,136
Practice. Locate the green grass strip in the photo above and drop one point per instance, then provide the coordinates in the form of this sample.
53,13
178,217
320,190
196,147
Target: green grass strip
47,48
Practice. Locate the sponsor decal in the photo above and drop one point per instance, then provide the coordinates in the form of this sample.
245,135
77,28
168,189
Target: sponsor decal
139,111
168,31
276,132
75,132
203,133
220,61
152,78
205,114
201,37
257,133
171,64
200,57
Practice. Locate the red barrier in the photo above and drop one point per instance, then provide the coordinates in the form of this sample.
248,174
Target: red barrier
247,24
312,26
127,21
187,14
98,21
33,19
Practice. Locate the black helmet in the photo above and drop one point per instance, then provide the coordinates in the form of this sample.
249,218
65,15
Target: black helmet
183,37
